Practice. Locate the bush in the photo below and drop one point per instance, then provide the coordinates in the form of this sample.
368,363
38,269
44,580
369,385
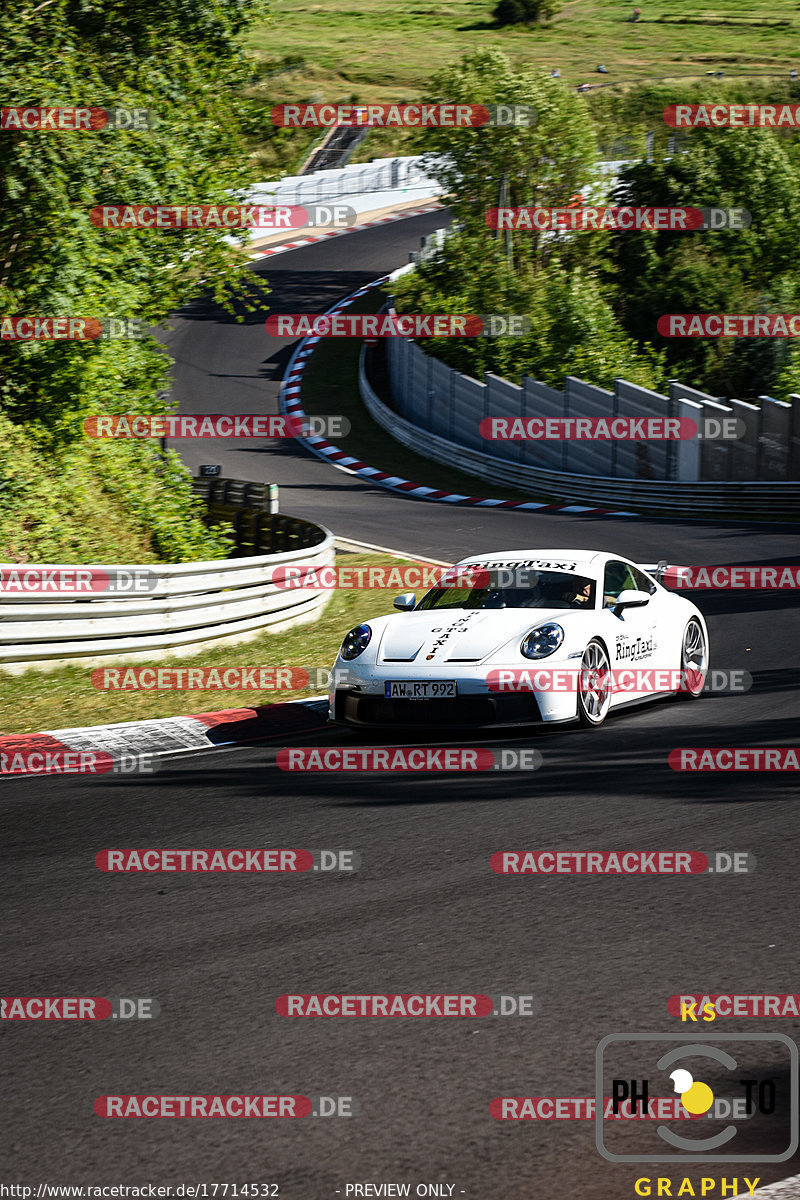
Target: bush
509,12
516,12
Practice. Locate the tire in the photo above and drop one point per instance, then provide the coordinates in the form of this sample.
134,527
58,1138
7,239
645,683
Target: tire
694,660
594,691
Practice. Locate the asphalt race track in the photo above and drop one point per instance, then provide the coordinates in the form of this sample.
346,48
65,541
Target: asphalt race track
425,913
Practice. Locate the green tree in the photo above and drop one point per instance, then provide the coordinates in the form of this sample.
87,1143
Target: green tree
509,12
556,281
573,327
543,163
516,12
182,63
732,270
540,10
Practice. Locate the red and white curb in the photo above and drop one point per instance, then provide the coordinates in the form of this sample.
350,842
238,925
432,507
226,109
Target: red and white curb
331,233
291,404
162,737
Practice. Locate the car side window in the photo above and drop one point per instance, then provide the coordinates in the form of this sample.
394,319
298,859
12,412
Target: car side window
617,578
642,582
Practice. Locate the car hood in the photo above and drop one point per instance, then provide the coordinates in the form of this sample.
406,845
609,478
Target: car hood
458,634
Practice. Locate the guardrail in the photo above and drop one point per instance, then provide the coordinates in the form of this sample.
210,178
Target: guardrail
191,607
380,175
753,500
413,172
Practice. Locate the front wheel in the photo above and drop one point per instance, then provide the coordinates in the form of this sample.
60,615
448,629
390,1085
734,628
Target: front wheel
594,685
694,660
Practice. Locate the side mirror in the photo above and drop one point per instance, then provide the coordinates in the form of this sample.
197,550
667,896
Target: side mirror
405,602
632,599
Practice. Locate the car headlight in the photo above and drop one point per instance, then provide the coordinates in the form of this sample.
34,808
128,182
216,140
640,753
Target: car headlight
356,642
543,640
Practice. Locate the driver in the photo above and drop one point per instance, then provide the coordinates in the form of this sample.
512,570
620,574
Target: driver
579,597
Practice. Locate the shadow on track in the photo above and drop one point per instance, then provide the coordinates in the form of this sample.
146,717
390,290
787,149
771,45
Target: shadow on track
627,757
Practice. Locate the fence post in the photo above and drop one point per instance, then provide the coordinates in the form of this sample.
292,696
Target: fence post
794,440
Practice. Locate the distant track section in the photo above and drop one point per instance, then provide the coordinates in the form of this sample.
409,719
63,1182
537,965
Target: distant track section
335,149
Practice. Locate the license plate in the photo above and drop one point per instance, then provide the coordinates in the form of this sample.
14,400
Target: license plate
416,689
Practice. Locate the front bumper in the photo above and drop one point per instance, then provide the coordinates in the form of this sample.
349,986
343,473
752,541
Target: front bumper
356,697
460,712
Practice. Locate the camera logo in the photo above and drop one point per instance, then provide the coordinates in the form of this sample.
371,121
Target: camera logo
696,1098
745,1084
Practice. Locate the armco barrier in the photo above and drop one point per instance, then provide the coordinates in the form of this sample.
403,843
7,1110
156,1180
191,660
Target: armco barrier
743,499
410,173
193,606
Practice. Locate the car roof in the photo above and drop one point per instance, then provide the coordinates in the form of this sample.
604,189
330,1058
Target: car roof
588,562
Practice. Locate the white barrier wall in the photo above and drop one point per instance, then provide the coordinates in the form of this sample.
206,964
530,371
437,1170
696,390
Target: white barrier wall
193,606
774,438
641,460
380,175
543,401
451,405
682,497
411,172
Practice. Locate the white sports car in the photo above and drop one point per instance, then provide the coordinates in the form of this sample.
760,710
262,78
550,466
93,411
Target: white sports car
522,637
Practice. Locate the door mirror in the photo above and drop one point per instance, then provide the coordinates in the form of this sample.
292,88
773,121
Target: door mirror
405,602
632,599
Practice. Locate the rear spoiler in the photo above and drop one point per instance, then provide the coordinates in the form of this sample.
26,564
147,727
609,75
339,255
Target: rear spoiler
667,574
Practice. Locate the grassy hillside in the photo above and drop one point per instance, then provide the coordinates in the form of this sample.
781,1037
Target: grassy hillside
377,50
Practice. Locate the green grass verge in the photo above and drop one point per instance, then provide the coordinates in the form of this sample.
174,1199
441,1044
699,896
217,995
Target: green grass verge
63,698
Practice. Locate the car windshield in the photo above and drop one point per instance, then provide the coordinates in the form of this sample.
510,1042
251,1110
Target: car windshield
542,589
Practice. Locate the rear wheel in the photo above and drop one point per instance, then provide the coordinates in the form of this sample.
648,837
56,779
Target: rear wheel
594,685
694,660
